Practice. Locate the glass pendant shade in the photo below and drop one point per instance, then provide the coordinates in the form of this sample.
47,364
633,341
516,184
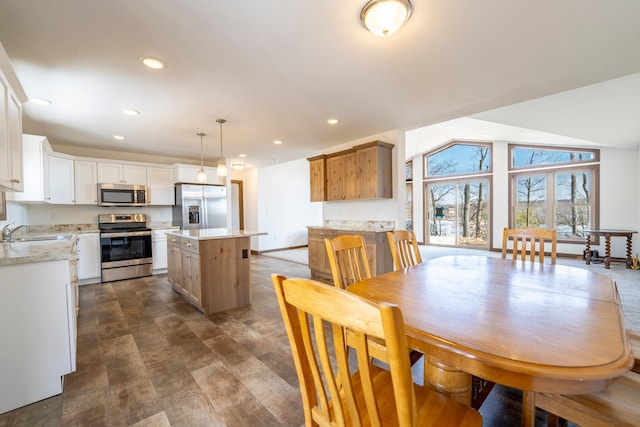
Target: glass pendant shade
222,169
201,176
385,17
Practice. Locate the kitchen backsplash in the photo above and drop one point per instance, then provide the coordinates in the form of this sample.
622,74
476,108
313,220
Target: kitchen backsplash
359,224
48,216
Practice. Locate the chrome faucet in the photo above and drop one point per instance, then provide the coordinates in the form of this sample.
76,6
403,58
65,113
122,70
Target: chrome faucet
7,232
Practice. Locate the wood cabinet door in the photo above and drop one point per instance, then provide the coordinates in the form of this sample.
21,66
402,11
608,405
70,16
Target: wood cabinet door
191,275
374,178
318,179
335,178
318,259
174,264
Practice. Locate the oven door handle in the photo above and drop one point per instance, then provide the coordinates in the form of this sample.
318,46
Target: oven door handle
127,234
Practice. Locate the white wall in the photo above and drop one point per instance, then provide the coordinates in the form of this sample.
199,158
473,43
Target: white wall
283,205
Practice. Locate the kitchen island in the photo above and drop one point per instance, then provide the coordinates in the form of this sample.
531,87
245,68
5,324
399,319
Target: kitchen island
38,308
211,268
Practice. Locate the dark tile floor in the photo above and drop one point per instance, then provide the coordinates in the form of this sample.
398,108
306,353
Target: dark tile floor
147,358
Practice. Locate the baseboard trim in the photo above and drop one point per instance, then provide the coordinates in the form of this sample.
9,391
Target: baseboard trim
279,249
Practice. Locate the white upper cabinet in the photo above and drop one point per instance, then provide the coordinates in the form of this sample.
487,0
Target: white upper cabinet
61,180
117,173
187,174
11,98
86,182
35,155
160,185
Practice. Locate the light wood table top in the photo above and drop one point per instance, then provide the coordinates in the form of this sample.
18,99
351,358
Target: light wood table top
532,326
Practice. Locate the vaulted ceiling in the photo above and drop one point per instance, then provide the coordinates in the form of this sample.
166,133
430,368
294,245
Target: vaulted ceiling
278,69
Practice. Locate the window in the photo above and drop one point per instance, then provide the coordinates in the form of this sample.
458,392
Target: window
458,158
457,194
554,188
408,205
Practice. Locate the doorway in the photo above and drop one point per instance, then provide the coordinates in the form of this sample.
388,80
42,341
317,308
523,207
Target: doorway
237,205
458,213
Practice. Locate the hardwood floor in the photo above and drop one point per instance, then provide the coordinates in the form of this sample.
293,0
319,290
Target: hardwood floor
147,358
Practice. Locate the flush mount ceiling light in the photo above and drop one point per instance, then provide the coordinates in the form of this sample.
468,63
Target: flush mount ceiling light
130,112
277,142
119,137
332,121
201,176
152,63
385,17
222,165
238,166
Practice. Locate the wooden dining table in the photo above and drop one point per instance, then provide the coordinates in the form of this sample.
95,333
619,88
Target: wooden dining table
532,326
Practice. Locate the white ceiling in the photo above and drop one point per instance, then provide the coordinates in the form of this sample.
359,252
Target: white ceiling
278,69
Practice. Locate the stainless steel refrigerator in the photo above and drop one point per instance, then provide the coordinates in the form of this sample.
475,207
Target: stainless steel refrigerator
200,206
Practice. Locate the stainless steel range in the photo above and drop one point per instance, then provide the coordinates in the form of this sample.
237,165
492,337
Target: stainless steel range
125,246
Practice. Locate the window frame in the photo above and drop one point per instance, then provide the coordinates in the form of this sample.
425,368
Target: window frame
551,171
425,156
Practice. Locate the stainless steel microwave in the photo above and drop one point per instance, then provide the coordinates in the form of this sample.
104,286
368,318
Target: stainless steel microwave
122,195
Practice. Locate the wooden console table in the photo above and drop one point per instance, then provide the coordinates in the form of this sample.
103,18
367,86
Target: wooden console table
607,235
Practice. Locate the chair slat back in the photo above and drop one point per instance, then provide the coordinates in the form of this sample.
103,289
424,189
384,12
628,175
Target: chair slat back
316,316
404,249
525,241
348,259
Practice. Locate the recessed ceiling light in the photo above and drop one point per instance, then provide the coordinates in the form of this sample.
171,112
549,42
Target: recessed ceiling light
40,101
277,142
130,112
153,63
333,121
242,155
119,137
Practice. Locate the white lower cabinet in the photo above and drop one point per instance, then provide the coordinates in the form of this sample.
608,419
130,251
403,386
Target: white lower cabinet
159,251
89,257
37,331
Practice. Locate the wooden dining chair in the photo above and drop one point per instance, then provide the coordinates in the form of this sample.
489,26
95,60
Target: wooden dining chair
341,390
525,241
618,405
348,259
404,249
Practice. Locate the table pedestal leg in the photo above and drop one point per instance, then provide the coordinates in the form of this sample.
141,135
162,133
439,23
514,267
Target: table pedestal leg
629,243
607,251
448,380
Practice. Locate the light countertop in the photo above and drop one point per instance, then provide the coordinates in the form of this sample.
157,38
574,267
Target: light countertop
39,251
214,233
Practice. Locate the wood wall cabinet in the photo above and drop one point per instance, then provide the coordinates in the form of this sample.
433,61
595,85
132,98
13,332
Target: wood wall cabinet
212,274
363,172
377,247
318,178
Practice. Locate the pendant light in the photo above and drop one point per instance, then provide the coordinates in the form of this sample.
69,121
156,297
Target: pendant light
201,176
385,17
222,165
